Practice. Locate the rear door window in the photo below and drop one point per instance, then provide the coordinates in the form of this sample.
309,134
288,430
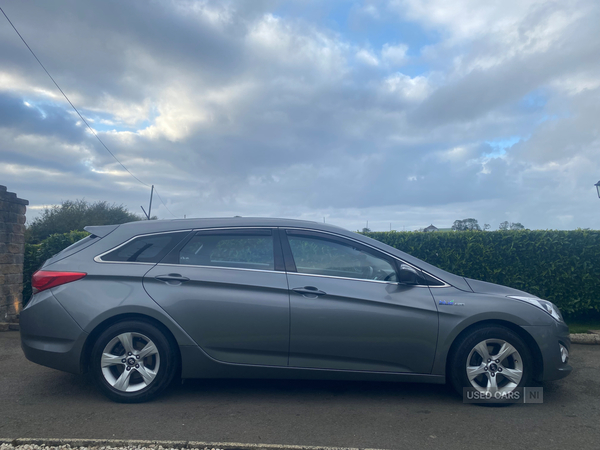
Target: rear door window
234,249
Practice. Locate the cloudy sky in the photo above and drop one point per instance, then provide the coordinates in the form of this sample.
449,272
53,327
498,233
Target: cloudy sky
401,112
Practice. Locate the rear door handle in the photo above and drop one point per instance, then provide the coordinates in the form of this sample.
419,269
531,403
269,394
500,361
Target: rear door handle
172,278
309,291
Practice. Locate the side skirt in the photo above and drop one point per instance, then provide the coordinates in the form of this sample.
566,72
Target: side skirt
196,364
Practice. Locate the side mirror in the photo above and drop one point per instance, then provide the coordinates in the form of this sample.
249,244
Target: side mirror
408,275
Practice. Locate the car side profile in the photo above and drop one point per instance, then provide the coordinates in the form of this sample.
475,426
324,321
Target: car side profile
141,303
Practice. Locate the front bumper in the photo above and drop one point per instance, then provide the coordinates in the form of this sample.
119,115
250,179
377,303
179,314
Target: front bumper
549,339
49,336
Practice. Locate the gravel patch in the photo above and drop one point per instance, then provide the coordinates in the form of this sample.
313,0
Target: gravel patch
115,444
69,447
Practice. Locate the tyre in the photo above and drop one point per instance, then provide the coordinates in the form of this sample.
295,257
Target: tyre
132,362
492,360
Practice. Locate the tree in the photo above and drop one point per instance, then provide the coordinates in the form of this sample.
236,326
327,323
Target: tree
73,215
486,227
458,225
505,226
466,225
366,230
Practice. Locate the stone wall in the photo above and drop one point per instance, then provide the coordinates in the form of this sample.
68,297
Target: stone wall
12,249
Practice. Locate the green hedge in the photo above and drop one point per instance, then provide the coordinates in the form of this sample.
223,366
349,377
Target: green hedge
36,254
560,266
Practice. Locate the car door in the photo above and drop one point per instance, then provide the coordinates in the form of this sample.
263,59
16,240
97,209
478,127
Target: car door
227,289
348,312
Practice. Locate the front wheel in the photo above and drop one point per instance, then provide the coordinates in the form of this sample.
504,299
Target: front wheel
492,360
132,362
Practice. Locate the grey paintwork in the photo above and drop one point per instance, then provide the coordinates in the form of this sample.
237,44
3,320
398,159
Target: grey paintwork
236,316
244,323
362,325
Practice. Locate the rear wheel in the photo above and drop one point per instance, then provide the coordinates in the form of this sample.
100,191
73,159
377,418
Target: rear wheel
132,362
492,360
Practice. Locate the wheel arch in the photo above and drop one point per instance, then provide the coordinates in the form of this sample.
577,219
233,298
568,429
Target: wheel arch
538,361
91,339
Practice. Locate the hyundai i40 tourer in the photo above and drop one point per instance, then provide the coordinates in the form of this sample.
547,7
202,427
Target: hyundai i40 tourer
141,303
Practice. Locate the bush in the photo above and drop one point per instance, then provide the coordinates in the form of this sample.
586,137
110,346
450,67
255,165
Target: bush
560,266
74,215
36,254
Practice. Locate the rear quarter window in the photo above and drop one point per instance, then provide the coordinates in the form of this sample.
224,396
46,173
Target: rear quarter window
145,249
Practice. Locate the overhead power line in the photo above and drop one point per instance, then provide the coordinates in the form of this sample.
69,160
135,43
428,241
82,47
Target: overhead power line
78,113
164,204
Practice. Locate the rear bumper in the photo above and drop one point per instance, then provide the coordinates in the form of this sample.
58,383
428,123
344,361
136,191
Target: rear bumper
49,336
549,338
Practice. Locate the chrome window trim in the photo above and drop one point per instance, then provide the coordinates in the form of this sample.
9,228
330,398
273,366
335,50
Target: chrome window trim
353,279
245,227
98,258
221,267
376,249
122,262
436,287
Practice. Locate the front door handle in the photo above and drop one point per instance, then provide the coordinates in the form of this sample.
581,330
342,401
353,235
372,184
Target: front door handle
309,291
172,278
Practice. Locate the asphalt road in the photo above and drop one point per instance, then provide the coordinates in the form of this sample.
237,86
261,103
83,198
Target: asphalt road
37,402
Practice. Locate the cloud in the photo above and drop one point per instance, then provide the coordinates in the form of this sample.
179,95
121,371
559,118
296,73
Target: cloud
394,54
240,108
37,117
414,89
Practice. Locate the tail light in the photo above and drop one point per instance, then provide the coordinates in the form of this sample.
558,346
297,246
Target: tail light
45,279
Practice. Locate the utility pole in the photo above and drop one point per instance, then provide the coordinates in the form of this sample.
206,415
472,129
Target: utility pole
149,213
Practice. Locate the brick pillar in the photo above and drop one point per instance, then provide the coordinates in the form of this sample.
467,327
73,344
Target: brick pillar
12,249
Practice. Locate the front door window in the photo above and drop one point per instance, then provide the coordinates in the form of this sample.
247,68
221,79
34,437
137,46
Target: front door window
317,256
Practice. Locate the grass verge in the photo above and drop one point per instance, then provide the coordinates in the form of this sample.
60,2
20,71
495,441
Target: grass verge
582,325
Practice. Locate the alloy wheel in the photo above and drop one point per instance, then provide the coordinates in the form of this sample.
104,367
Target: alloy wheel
130,362
494,366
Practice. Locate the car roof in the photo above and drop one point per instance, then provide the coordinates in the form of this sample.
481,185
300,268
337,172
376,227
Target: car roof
154,226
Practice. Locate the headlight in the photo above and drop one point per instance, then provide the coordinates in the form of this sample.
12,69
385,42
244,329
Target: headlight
545,305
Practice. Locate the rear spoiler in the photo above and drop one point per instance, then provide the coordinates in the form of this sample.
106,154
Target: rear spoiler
101,230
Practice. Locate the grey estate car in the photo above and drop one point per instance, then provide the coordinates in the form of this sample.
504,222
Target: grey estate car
140,303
